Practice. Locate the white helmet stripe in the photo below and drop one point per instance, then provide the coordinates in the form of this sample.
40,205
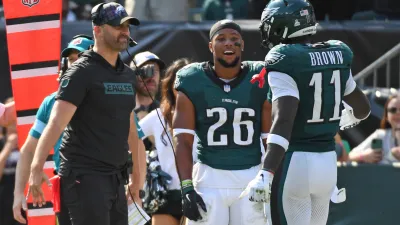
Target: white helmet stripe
304,31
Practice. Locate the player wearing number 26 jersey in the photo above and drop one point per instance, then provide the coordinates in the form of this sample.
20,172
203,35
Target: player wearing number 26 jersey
229,115
313,94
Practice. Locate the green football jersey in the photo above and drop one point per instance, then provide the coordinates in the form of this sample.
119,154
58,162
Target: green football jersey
228,114
320,72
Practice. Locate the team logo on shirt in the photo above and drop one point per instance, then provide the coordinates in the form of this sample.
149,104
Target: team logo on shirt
30,3
118,88
273,58
77,41
64,83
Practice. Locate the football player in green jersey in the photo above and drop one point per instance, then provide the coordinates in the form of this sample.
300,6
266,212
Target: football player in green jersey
230,116
308,83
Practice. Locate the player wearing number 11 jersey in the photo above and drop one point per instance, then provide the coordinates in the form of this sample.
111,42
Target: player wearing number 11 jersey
308,84
216,101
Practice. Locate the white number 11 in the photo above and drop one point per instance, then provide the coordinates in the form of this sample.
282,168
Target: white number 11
316,81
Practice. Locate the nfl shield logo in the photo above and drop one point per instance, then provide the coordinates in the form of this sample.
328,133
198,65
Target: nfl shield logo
30,3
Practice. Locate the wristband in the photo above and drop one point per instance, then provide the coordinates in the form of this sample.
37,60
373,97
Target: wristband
187,186
264,135
268,170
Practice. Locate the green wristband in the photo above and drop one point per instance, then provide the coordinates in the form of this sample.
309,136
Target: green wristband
187,185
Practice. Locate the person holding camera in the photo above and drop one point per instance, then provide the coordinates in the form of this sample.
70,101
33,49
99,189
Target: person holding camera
149,66
166,195
94,104
382,146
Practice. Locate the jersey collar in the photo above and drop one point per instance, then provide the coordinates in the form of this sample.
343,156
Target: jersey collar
119,66
208,68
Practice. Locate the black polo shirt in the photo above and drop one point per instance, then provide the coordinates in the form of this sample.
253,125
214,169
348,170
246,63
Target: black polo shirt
96,138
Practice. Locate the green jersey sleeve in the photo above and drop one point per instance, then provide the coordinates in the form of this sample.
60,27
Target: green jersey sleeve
279,59
185,80
255,68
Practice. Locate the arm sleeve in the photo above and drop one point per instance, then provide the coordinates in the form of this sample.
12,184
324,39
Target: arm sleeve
42,118
282,84
138,128
74,85
147,123
179,84
350,85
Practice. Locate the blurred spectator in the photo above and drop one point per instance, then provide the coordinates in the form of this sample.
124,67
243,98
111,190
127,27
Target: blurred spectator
147,86
159,10
9,155
2,131
7,114
225,9
81,8
382,146
67,14
342,148
164,200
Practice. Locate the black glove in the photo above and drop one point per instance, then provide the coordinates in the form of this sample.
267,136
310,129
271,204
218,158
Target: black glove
190,201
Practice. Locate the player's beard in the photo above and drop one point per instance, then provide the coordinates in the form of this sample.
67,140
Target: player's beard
229,65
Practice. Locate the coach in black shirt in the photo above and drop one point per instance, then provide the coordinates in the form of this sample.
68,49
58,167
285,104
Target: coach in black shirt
95,101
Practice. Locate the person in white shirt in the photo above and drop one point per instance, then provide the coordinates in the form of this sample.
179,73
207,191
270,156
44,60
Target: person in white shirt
382,146
171,213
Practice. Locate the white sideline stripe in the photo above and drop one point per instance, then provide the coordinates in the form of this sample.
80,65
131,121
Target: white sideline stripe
49,165
41,212
34,72
26,120
32,26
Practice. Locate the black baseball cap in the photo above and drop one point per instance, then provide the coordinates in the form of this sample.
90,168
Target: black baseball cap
112,14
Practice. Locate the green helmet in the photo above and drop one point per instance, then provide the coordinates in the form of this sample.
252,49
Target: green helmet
285,19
